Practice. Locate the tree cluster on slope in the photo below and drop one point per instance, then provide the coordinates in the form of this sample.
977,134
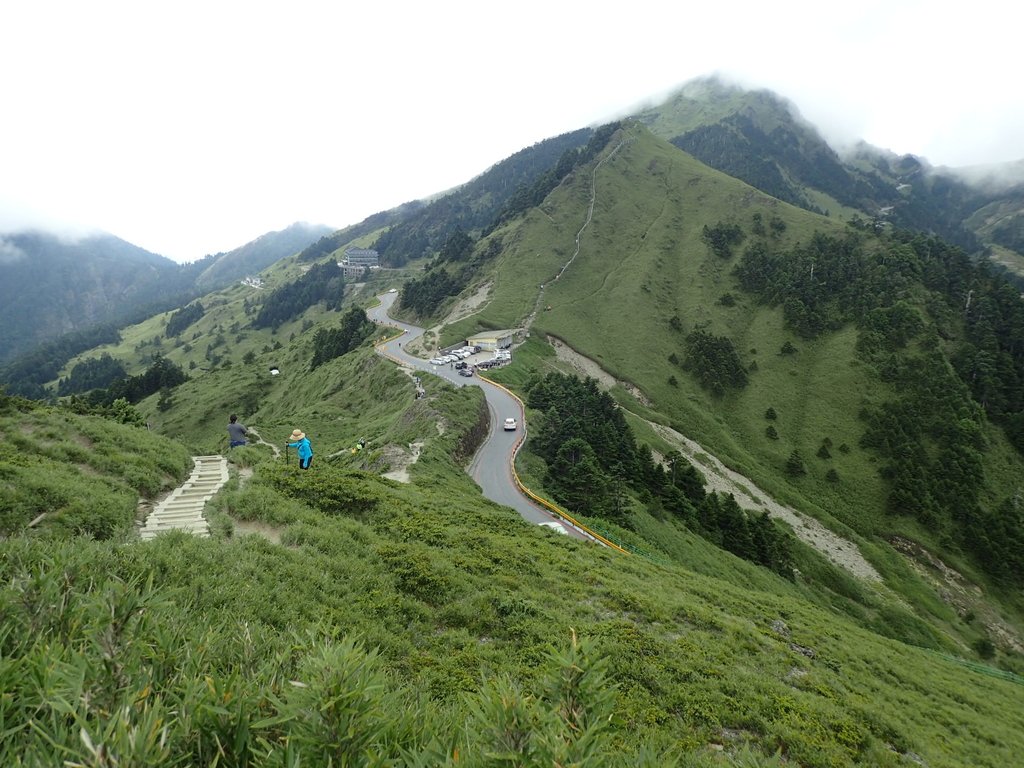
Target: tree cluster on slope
722,237
161,374
713,360
425,295
527,197
183,318
329,343
93,373
322,283
593,460
473,207
948,335
26,375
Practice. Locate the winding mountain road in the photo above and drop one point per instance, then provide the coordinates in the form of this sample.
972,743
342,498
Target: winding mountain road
492,465
491,468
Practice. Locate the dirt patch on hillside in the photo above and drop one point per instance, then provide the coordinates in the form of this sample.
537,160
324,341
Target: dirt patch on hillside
254,527
470,305
721,479
426,344
965,597
588,367
400,461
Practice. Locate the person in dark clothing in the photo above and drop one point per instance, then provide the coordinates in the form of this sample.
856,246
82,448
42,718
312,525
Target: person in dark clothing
301,443
236,432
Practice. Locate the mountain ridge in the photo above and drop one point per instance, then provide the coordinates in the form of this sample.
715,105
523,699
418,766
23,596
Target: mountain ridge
752,134
50,285
57,292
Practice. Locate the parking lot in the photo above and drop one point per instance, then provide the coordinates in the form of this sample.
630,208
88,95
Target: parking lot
471,358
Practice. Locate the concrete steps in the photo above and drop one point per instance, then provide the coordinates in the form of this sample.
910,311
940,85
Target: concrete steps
183,509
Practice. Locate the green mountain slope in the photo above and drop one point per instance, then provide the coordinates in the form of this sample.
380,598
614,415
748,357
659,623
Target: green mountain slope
647,278
760,138
420,622
253,257
50,285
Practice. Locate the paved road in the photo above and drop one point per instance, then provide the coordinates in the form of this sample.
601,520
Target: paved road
491,467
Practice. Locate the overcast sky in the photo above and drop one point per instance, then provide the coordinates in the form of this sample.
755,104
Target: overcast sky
190,128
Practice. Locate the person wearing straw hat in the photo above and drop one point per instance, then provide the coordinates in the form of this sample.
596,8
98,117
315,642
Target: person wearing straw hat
300,442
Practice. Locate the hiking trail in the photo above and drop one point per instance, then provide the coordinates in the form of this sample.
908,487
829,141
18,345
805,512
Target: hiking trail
183,508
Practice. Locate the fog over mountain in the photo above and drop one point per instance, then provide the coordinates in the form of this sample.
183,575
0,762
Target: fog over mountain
270,123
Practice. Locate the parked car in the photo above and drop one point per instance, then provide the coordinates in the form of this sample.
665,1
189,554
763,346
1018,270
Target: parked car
510,424
436,361
465,372
461,364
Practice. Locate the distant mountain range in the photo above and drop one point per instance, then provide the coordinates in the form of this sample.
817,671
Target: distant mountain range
258,254
52,285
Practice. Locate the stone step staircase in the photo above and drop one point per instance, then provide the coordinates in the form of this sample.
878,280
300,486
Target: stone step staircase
183,509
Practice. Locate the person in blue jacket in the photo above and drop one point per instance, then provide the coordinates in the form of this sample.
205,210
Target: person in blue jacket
300,442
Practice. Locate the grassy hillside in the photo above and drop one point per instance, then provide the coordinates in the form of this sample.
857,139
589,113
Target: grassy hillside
65,473
340,617
223,336
369,619
646,277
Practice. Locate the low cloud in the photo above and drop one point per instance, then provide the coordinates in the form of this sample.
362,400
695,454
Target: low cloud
9,252
16,216
998,177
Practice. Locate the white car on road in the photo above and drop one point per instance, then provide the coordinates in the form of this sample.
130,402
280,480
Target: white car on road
556,527
510,424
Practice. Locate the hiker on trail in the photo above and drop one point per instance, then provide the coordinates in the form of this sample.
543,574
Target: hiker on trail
236,432
301,443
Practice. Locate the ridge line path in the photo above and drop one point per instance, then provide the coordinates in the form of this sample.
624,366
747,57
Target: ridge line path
586,223
183,508
491,467
261,441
